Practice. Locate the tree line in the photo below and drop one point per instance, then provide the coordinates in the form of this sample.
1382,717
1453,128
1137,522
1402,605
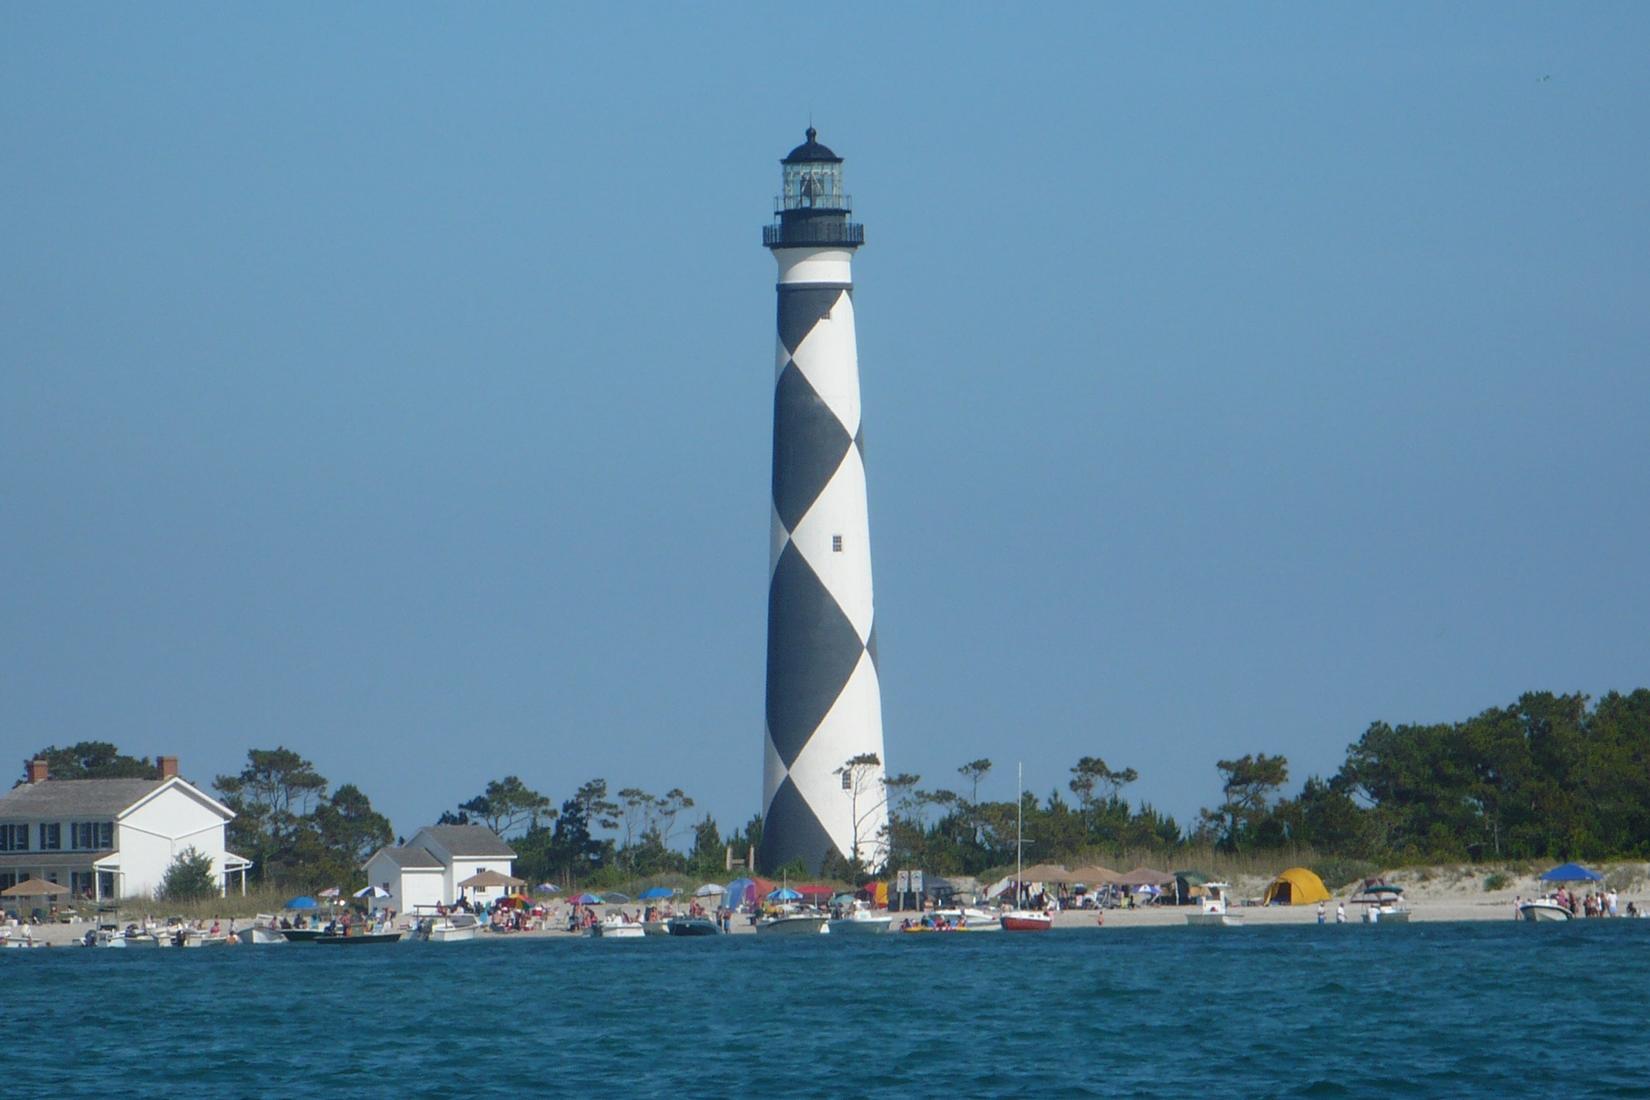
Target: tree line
1547,777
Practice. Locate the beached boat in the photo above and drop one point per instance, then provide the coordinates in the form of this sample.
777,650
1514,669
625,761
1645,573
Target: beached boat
449,928
1212,911
1022,920
794,922
110,935
617,928
265,929
196,937
693,926
301,935
1383,904
932,923
361,939
975,920
20,942
860,920
656,927
1544,909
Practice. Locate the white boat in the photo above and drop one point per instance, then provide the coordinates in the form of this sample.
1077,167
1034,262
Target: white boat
617,928
859,921
449,928
22,939
1212,908
1544,909
1383,904
111,936
795,922
975,920
194,937
265,929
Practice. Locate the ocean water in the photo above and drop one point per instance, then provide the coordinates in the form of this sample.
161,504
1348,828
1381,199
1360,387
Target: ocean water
1428,1009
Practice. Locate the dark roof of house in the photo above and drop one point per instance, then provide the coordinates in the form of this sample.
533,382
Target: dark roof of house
470,840
410,857
65,798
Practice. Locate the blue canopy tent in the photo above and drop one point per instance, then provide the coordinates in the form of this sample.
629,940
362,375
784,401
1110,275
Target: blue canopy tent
654,893
302,901
738,892
1571,872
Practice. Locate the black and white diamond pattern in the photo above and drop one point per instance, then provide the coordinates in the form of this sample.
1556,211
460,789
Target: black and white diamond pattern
824,702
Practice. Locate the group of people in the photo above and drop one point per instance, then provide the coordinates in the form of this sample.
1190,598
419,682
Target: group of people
1601,904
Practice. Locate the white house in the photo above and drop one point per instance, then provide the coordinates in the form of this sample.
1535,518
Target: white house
427,869
111,838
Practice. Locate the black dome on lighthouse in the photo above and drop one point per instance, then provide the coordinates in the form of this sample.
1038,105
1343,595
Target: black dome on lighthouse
811,151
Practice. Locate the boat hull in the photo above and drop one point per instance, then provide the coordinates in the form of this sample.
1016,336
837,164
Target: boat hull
1027,922
302,935
1544,911
692,926
261,935
361,941
1214,920
793,926
618,931
861,926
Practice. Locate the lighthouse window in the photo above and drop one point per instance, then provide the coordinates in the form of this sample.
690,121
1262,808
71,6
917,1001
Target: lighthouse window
836,543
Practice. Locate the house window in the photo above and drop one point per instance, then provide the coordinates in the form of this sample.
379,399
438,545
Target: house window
8,879
92,836
836,543
81,883
51,836
14,838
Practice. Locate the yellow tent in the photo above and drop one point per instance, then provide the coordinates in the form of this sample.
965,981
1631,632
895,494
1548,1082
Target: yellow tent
1296,886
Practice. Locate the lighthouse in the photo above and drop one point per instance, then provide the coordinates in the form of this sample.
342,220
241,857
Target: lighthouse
824,702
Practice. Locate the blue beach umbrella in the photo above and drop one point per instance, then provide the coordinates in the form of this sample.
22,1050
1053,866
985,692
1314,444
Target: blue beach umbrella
784,893
302,901
654,893
1571,872
586,899
547,888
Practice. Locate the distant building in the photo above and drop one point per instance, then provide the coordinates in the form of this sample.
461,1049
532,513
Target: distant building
426,871
111,838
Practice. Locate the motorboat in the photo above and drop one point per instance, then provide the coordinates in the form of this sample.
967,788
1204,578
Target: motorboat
660,927
448,928
200,937
859,920
693,926
265,929
301,935
794,922
615,927
1027,920
975,920
110,935
1212,908
24,940
367,934
1383,903
1544,909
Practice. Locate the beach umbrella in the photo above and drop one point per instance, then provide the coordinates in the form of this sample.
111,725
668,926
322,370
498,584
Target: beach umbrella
1571,872
709,890
586,899
371,892
487,879
547,888
616,898
784,893
654,893
34,888
329,892
302,901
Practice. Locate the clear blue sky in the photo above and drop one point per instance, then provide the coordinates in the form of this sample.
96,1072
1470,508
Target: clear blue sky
398,387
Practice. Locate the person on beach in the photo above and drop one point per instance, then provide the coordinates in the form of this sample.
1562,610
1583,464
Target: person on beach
1340,912
1320,912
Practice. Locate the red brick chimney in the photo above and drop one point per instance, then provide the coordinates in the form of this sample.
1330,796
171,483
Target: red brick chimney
37,771
168,766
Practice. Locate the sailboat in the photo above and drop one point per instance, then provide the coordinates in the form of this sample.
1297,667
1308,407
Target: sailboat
1018,919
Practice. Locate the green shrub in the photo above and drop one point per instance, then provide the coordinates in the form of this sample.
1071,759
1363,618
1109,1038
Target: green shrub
1496,880
189,878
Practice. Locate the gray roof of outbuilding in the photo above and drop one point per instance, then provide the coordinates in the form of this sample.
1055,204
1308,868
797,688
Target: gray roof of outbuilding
470,840
415,858
68,797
